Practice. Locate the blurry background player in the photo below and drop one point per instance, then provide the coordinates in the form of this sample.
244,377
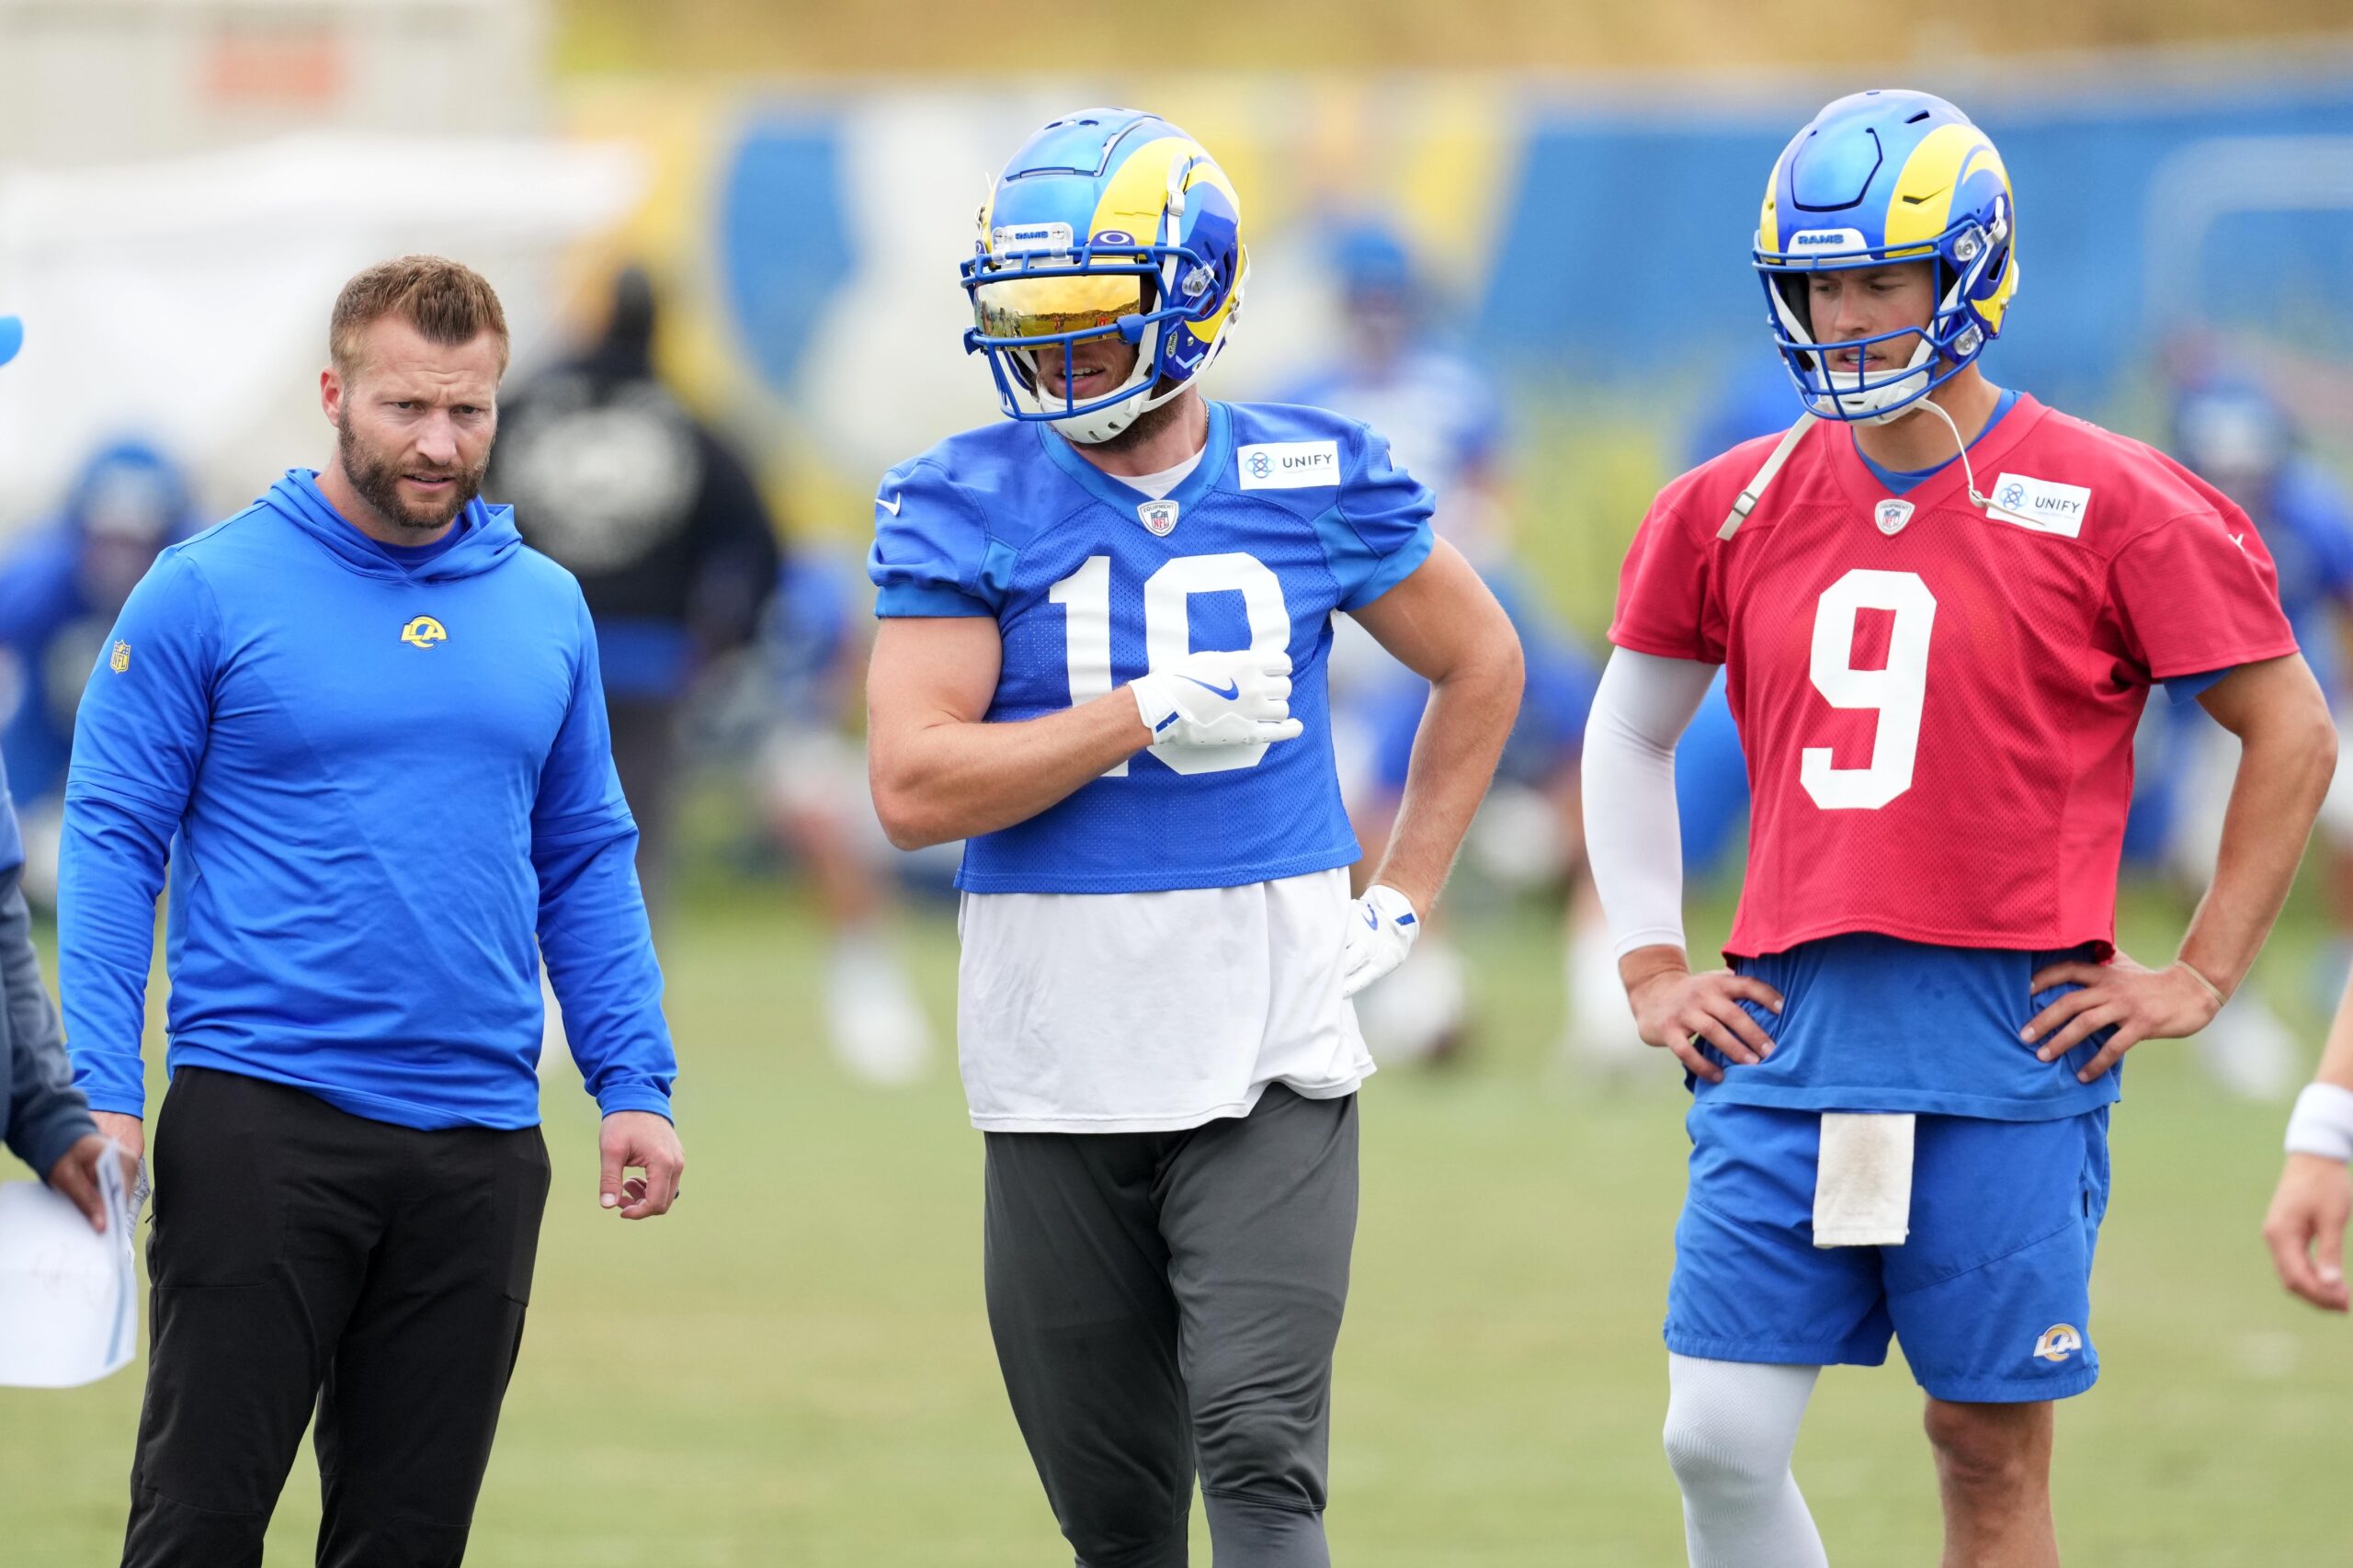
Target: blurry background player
1710,774
1396,372
1902,1084
44,1120
663,524
2239,438
810,780
60,588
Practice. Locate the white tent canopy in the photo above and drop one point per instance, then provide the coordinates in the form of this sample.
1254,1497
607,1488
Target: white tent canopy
185,300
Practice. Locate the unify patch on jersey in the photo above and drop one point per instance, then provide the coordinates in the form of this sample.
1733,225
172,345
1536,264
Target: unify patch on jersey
2043,505
1287,465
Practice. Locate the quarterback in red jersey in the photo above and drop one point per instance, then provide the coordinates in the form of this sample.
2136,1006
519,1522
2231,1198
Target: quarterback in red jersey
1940,606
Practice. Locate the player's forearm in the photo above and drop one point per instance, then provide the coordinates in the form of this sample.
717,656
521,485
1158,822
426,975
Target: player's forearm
953,778
2287,759
1633,832
1455,752
2337,1057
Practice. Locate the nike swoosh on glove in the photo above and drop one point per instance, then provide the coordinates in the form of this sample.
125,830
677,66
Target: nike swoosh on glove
1218,697
1382,928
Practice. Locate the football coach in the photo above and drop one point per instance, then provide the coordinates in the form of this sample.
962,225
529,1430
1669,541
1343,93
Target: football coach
364,724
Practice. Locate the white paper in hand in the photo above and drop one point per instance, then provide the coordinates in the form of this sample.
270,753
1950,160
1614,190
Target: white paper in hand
69,1305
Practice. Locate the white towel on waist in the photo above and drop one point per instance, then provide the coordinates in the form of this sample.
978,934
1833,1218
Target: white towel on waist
1862,1183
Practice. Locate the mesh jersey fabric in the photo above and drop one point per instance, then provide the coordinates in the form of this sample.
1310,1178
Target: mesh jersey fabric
1292,513
2023,652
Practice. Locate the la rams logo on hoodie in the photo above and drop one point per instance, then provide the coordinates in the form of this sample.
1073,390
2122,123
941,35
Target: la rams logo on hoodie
423,633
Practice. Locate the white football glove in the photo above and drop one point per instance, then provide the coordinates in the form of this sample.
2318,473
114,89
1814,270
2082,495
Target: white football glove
1382,928
1218,697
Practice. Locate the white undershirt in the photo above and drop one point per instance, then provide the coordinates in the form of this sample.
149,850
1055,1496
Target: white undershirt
1634,837
1152,1012
1158,485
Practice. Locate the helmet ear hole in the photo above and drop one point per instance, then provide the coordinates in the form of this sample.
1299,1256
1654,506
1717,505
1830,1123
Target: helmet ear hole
1796,298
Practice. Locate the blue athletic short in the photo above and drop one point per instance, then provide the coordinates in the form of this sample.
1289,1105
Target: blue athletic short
1989,1295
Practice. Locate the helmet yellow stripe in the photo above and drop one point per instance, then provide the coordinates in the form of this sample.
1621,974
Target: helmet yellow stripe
1920,206
1135,194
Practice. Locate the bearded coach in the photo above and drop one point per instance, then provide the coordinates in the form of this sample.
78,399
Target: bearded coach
364,726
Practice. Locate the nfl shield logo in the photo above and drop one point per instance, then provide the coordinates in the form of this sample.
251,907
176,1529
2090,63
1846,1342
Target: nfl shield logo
1159,516
1892,516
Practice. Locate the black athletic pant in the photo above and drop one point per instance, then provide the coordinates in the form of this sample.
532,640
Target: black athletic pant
303,1257
1164,1301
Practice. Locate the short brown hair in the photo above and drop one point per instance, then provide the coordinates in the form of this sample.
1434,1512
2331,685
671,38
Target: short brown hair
447,301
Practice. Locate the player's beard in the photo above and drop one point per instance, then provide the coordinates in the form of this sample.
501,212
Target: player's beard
377,479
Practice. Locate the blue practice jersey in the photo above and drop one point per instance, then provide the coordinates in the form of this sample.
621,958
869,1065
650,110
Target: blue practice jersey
1291,513
2308,527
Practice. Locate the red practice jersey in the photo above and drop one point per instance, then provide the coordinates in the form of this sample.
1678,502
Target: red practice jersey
1937,702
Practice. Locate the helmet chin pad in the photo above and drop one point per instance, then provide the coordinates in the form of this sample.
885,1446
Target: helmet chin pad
1102,423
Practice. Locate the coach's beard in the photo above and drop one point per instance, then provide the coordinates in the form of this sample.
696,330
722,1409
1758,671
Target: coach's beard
377,479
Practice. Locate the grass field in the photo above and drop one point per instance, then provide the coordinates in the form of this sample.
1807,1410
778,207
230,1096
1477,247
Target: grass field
793,1368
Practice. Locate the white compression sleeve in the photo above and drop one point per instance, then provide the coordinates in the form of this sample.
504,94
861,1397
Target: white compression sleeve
1731,1429
1633,836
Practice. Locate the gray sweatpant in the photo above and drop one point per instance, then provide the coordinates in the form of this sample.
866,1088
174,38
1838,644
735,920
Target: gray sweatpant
1164,1301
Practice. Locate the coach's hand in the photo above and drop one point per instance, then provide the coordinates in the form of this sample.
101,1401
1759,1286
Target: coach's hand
2305,1229
639,1140
1218,697
1675,1009
127,1130
129,1135
2142,1004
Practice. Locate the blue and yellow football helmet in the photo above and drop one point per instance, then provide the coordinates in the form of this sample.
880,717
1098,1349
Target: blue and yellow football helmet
1878,177
1110,223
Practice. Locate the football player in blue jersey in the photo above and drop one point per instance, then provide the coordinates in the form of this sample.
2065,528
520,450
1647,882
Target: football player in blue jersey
1444,421
1101,663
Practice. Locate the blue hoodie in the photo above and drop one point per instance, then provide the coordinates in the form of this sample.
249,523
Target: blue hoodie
376,780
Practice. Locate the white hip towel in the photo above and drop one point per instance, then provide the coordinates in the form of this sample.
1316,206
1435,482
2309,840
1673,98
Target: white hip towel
1863,1182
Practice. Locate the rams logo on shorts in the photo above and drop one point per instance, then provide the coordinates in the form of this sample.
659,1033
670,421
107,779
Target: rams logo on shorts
120,660
2058,1342
423,633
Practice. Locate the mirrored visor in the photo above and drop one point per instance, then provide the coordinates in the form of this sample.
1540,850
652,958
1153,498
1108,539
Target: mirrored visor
1043,307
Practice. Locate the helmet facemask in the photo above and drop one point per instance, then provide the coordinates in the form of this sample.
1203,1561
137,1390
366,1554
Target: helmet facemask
1028,307
1145,248
1969,260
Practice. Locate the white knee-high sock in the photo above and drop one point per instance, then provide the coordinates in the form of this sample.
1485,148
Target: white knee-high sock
1731,1429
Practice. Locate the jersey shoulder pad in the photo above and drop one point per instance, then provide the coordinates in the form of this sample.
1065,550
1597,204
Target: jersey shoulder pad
1305,457
949,522
2129,487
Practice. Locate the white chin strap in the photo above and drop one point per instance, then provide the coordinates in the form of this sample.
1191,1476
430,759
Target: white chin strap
1102,423
1088,429
1883,401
